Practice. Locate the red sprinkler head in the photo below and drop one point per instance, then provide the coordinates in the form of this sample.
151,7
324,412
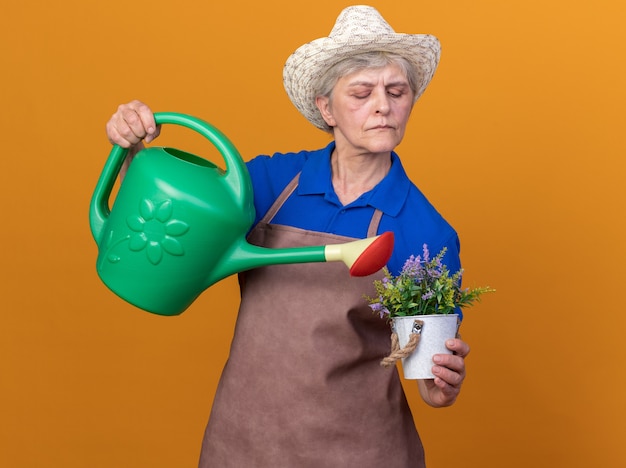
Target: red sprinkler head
374,257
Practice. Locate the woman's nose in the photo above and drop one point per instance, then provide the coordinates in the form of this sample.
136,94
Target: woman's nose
381,103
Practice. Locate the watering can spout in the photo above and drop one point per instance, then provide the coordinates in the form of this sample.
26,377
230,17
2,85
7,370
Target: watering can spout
362,257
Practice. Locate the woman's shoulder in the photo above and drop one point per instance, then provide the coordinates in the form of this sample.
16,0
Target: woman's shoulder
277,170
278,163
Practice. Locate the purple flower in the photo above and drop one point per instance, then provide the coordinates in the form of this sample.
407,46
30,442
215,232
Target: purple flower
426,253
378,307
412,266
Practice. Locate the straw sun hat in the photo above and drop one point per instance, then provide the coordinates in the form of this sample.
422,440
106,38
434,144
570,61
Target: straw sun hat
358,29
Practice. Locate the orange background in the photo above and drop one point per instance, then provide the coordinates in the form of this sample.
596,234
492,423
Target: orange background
519,141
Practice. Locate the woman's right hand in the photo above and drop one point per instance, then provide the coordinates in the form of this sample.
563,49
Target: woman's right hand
132,123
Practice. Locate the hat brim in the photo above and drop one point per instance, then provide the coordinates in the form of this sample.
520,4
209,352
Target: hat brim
314,58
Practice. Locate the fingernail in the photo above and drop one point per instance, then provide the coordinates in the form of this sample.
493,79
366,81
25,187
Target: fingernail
450,343
437,358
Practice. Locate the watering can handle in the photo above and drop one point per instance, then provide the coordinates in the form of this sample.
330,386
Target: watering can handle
236,172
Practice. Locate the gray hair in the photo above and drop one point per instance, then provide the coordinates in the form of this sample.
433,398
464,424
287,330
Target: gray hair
325,83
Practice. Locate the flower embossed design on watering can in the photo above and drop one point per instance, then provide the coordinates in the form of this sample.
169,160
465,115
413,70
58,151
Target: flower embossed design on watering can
153,242
178,225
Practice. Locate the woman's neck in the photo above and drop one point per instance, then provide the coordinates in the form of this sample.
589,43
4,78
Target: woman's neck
354,175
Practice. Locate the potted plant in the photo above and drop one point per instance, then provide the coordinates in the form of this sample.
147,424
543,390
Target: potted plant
422,305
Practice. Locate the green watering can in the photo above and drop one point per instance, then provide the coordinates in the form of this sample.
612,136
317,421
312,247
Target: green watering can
179,223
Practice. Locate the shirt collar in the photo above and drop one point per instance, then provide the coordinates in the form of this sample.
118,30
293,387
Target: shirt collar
388,196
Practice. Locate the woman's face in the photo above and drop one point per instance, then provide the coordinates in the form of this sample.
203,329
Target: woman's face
369,109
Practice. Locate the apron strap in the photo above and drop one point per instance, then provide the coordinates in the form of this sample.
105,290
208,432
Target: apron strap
286,193
372,229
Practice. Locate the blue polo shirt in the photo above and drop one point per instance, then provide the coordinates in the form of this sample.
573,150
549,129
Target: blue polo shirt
314,205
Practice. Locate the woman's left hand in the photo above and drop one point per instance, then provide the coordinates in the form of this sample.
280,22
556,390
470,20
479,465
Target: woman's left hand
449,371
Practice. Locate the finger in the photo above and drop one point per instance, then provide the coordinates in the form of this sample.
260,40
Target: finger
458,347
146,119
118,139
449,375
153,135
119,131
450,362
131,125
448,393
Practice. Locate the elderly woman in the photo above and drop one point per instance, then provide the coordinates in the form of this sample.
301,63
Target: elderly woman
303,386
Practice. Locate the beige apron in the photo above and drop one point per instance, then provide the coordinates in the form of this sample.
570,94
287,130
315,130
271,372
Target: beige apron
303,387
